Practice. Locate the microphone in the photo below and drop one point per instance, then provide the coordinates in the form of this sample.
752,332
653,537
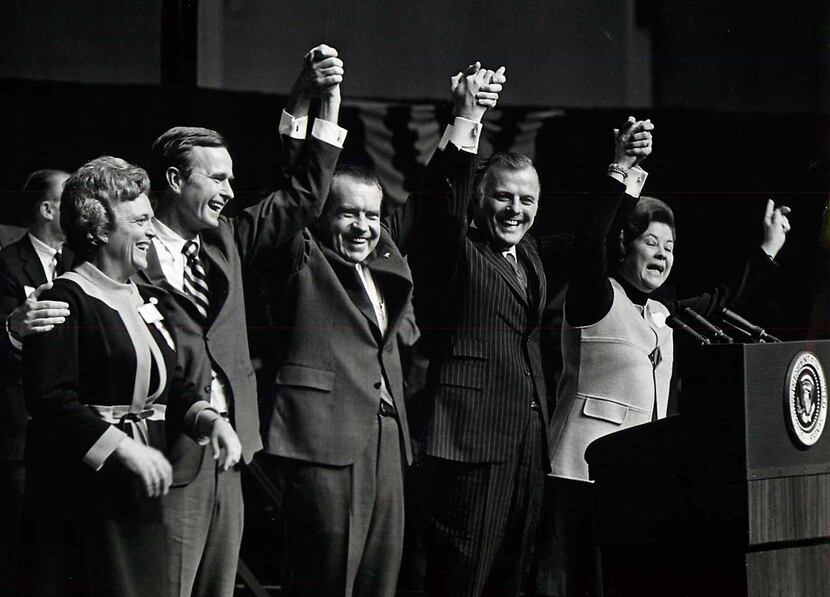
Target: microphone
744,336
675,322
718,333
753,330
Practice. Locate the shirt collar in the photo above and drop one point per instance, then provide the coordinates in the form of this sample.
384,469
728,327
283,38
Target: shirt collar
41,248
170,239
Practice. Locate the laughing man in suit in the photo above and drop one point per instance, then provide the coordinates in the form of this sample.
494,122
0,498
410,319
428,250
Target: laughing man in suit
336,426
479,294
198,256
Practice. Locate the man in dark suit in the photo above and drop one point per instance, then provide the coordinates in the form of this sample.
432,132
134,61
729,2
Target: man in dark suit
336,423
10,234
198,256
27,266
480,292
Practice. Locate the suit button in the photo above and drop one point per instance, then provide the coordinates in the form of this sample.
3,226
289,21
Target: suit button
527,372
377,385
207,388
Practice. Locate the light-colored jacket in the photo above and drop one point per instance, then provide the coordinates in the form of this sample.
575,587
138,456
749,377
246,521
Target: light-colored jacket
614,371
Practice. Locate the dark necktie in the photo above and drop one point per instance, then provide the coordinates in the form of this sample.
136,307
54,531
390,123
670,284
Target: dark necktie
520,275
195,277
59,269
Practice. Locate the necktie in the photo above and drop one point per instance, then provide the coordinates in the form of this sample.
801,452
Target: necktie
511,259
195,277
59,269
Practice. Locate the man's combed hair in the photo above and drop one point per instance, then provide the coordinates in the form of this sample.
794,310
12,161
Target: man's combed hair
34,190
88,197
172,148
359,172
506,160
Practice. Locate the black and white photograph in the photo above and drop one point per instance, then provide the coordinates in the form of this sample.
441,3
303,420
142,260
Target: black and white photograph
414,298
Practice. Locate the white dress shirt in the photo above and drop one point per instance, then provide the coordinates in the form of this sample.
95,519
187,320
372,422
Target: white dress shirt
169,247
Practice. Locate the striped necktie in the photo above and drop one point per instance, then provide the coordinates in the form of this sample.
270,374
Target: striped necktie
195,277
517,269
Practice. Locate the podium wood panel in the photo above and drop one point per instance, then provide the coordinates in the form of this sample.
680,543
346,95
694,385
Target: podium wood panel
789,509
794,572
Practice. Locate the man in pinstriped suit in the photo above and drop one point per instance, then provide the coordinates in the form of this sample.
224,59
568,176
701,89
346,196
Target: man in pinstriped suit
479,295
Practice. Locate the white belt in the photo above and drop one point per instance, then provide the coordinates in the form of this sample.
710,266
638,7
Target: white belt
125,418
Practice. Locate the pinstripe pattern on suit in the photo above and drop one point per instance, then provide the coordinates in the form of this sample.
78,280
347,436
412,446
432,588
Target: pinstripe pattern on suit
480,329
483,441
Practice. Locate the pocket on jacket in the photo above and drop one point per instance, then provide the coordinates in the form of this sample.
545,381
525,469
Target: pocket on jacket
305,377
605,410
469,348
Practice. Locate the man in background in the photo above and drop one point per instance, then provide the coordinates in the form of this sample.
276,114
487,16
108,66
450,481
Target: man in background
27,267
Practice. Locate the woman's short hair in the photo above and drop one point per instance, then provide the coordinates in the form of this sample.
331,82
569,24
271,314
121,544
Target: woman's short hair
647,210
172,149
88,197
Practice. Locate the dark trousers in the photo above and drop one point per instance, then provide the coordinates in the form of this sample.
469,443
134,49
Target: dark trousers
203,528
482,520
567,561
344,525
12,480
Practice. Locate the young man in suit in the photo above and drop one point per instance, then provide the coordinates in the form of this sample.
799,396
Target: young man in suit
27,267
480,292
198,256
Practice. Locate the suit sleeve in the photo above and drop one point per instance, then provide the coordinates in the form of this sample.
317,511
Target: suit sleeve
431,228
733,293
51,382
10,299
304,185
589,294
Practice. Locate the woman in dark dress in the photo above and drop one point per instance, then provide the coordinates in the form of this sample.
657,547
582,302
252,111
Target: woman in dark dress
104,394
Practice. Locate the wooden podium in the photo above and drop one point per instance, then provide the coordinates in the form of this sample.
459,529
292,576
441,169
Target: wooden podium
725,499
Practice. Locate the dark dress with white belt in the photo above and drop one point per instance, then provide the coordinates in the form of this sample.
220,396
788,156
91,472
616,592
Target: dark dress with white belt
109,370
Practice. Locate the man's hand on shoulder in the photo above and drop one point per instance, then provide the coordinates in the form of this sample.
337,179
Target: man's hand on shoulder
35,316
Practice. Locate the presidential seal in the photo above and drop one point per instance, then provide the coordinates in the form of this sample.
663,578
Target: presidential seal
806,396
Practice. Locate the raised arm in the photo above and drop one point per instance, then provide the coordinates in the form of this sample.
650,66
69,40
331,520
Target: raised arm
759,267
434,219
309,160
589,294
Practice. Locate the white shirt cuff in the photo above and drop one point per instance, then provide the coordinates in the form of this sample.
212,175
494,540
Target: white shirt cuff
104,447
462,133
293,127
328,132
635,181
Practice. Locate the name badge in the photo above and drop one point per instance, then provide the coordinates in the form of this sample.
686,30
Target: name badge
149,313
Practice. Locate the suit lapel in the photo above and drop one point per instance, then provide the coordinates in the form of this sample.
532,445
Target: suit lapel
535,283
350,280
505,270
31,265
218,281
391,274
154,275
